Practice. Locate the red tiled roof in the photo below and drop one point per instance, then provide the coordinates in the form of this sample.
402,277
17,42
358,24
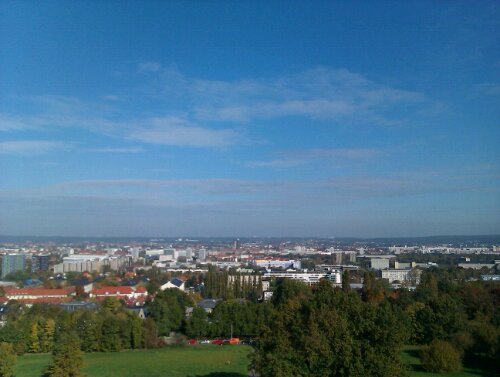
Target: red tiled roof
42,292
112,291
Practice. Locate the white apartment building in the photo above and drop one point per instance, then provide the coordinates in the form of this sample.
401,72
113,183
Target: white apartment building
411,276
306,277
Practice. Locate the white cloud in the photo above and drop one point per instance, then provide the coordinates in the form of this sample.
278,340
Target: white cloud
117,150
217,186
189,110
295,158
30,147
178,132
13,123
321,93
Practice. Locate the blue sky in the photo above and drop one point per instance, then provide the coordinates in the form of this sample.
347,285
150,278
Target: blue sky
249,118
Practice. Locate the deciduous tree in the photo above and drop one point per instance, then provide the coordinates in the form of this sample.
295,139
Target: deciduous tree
7,360
67,358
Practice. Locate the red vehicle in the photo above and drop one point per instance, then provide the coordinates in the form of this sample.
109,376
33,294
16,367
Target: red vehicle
218,342
192,341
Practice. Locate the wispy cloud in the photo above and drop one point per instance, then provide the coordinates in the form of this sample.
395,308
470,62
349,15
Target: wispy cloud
14,123
189,111
117,150
30,147
295,158
217,186
62,112
178,132
321,93
334,188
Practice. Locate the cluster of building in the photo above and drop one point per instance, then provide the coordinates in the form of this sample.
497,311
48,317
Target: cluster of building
92,263
271,260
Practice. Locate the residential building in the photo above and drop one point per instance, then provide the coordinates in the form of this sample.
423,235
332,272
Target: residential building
277,263
334,276
379,263
79,305
40,262
410,276
30,296
174,283
12,263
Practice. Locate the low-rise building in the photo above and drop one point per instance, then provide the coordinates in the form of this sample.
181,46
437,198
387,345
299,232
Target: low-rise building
29,296
334,276
407,275
174,283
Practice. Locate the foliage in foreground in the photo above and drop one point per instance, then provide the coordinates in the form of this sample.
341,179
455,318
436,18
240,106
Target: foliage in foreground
327,332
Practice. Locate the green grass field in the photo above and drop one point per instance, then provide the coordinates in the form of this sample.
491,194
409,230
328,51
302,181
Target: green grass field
410,357
190,361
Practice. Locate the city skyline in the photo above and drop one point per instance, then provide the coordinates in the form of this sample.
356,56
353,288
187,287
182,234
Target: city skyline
249,119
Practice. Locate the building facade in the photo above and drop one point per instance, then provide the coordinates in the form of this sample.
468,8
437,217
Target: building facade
12,263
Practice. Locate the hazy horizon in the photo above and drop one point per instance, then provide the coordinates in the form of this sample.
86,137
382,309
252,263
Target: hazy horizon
249,118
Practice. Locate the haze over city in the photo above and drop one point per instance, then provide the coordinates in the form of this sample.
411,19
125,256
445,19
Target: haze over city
241,119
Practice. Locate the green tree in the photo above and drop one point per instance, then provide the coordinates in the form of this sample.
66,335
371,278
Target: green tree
7,360
149,333
168,310
332,333
135,327
34,341
440,356
346,281
485,338
67,358
197,325
110,334
88,327
47,335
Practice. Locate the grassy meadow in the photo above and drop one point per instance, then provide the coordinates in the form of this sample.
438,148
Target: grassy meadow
190,361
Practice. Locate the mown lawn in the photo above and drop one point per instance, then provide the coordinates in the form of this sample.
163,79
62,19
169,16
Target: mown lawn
189,361
470,369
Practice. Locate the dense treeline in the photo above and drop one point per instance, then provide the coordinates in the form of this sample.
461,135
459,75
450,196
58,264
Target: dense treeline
242,318
111,328
325,331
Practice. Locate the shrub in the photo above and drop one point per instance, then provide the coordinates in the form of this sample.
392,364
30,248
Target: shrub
440,356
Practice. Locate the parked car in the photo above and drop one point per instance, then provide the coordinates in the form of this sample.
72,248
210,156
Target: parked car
205,341
192,341
218,342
